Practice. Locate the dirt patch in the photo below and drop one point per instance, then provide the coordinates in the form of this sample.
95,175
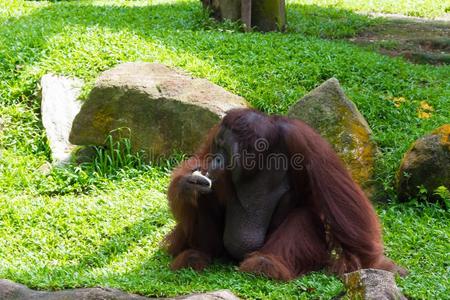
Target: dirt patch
418,40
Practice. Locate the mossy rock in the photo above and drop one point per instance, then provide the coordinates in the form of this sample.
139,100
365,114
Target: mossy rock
426,164
336,118
161,111
370,284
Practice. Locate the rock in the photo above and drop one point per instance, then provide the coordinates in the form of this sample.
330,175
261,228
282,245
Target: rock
371,284
160,110
426,163
84,154
218,295
13,291
337,119
45,169
59,107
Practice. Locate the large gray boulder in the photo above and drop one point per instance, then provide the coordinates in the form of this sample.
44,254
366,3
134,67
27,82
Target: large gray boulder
371,284
336,118
59,107
160,110
426,164
14,291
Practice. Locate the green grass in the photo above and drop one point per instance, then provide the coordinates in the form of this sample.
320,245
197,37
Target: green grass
101,223
415,8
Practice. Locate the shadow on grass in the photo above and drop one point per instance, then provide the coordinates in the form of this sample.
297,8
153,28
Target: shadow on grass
305,56
181,27
271,70
81,272
419,41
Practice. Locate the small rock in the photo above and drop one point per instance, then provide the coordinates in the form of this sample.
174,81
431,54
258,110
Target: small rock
59,107
14,291
337,119
371,284
46,168
159,110
426,163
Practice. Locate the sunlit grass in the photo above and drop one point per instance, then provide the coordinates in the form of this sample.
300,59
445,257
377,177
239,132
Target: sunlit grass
102,223
425,8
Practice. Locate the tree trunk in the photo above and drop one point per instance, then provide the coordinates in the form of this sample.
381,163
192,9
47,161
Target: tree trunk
230,9
246,14
268,15
264,15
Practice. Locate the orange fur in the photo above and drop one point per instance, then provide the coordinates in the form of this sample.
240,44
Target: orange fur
325,222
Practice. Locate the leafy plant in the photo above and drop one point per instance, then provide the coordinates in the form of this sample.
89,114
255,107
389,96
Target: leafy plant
116,155
444,194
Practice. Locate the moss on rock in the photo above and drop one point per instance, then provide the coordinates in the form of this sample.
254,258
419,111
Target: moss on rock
161,111
426,164
337,119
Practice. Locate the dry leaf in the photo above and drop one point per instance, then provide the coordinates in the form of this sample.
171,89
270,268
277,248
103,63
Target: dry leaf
398,101
424,115
425,106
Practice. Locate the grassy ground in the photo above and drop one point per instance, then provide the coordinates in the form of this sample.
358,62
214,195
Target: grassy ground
88,226
415,8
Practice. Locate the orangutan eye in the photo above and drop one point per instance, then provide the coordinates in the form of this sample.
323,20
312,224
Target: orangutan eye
218,161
